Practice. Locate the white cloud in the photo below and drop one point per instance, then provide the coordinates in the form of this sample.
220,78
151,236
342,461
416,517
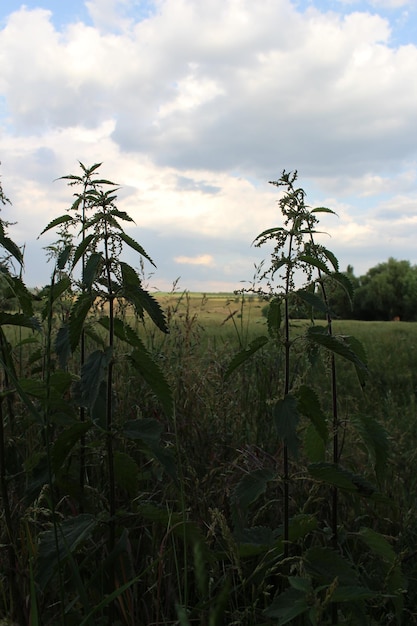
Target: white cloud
194,105
201,259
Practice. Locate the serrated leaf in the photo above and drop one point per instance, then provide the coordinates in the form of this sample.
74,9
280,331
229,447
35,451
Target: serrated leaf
314,446
146,429
122,215
126,473
92,269
135,246
141,299
267,233
352,593
153,375
12,248
19,319
251,486
330,257
322,209
78,314
314,262
325,565
54,292
256,536
93,372
309,405
81,249
63,257
286,418
341,478
344,282
245,354
312,300
62,219
346,347
66,441
23,295
375,437
378,544
302,584
287,606
63,346
71,533
274,317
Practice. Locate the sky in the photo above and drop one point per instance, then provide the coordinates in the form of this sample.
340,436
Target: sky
192,107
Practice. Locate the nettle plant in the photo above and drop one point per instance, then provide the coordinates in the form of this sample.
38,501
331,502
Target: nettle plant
96,330
314,579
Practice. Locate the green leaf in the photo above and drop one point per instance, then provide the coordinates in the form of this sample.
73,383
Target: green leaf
314,262
330,257
63,346
63,257
346,347
378,544
54,292
92,269
344,282
165,458
267,233
325,565
122,215
19,319
66,441
23,295
153,375
71,534
309,405
146,429
286,418
135,246
78,314
314,446
122,330
126,472
260,536
322,209
376,439
312,300
287,606
245,354
141,299
352,593
274,317
251,486
81,249
302,584
93,372
63,219
341,478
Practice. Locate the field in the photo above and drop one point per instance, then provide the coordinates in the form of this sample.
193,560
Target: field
198,517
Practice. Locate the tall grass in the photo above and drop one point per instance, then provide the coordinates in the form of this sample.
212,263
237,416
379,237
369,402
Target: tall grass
179,517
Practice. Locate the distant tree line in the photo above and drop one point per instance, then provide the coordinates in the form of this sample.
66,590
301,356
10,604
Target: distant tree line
387,291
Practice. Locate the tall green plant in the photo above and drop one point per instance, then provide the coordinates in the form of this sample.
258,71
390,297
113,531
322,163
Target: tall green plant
107,285
16,311
296,281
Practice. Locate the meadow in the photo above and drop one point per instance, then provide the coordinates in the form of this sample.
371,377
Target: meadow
201,459
196,544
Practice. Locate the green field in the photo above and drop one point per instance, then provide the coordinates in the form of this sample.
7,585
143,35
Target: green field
199,495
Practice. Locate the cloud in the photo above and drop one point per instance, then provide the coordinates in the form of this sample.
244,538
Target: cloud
202,259
194,105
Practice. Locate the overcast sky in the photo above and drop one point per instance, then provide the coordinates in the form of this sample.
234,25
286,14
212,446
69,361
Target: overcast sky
194,105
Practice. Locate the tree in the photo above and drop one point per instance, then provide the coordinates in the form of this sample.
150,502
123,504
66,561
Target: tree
387,291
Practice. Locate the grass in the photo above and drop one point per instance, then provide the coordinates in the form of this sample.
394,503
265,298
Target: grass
180,540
